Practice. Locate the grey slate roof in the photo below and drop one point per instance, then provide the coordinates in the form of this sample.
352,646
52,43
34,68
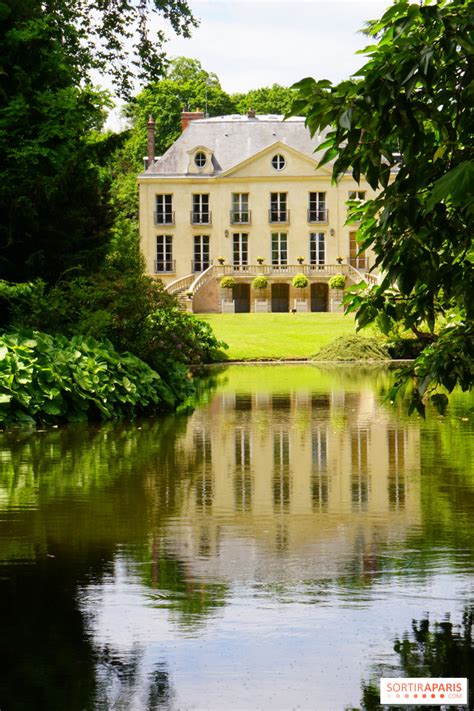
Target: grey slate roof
234,139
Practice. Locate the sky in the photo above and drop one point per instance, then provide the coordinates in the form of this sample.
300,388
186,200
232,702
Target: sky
256,43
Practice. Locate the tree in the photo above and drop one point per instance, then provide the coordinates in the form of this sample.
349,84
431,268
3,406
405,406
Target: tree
55,210
405,122
112,37
275,99
186,85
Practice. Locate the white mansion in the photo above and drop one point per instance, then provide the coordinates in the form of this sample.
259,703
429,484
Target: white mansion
242,196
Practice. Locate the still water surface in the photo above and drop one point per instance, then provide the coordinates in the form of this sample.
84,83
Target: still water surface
265,552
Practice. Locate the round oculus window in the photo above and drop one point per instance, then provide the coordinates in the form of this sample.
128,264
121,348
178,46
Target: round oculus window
278,162
200,159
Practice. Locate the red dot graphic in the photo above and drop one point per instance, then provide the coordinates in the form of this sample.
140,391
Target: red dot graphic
416,696
442,696
433,696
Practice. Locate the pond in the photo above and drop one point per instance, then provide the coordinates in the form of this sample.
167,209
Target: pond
281,547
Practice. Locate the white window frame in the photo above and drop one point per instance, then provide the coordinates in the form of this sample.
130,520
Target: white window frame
279,249
317,248
200,208
240,248
164,247
201,252
240,208
164,209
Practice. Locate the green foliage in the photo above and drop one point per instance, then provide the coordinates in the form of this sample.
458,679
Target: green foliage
51,378
338,281
260,282
227,282
430,650
174,336
405,123
115,38
353,348
185,85
133,312
54,210
300,281
275,99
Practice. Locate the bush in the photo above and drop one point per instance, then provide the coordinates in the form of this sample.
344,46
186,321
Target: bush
173,336
227,282
47,378
129,309
300,281
338,281
353,348
260,282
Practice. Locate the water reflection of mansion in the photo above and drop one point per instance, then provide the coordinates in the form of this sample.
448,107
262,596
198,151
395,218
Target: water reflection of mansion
331,471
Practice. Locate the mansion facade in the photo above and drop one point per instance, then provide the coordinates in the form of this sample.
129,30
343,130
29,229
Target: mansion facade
242,196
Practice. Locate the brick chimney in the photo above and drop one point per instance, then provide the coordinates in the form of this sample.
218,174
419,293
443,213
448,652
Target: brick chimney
188,116
150,141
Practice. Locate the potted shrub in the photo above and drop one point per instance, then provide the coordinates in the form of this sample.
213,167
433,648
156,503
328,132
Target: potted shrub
339,260
227,282
300,260
300,281
260,260
260,282
221,260
338,281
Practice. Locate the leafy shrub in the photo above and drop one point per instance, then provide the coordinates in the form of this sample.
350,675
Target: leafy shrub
338,281
47,378
300,281
352,348
260,282
108,304
173,336
227,282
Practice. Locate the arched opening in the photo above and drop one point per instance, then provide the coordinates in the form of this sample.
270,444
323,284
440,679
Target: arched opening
241,296
319,297
280,298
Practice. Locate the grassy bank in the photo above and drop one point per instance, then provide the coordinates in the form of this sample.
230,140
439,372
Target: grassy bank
260,336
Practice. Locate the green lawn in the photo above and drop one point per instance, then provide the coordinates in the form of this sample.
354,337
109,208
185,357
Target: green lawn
258,336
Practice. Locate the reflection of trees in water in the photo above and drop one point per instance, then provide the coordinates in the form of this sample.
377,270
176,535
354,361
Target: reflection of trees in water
123,683
439,649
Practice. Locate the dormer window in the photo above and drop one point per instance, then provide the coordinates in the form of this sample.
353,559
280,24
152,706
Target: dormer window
200,159
278,162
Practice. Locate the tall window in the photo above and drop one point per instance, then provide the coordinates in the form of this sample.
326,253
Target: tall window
240,213
357,195
278,207
200,214
317,248
164,254
240,249
357,258
317,208
201,253
164,210
279,248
